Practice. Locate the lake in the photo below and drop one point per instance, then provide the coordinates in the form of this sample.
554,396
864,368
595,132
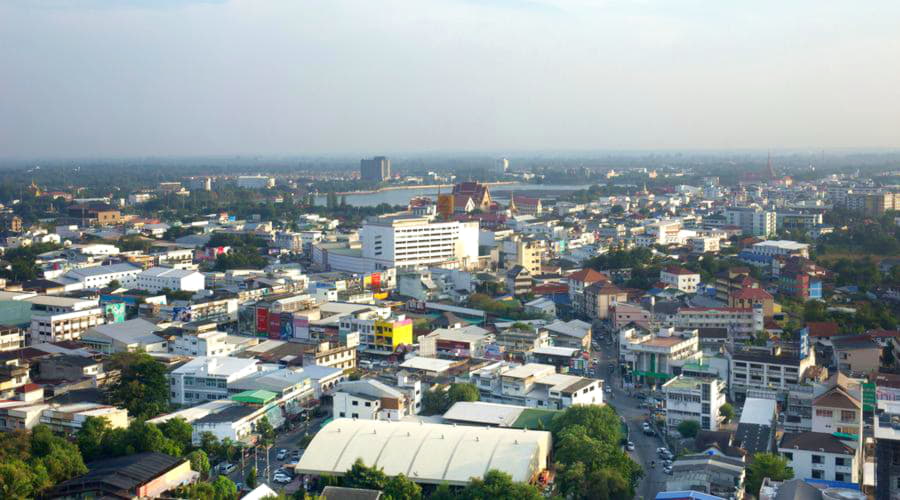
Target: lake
402,196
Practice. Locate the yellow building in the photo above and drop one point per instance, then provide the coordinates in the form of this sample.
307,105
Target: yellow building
393,333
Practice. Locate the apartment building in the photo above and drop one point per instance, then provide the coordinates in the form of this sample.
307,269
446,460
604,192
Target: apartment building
370,399
601,299
205,342
577,282
406,241
62,318
886,431
753,221
838,411
704,244
333,355
12,337
739,322
762,253
680,278
821,456
873,204
697,399
766,372
206,378
654,358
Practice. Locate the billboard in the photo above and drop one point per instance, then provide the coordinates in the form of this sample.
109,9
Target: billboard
301,327
262,320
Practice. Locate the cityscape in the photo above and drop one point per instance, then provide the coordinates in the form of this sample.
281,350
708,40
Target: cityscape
417,251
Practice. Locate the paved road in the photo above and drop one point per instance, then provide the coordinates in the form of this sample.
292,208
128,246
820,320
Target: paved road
629,408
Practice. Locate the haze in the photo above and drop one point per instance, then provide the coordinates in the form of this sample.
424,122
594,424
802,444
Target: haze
168,77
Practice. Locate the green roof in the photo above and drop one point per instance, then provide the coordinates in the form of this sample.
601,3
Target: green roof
259,397
530,417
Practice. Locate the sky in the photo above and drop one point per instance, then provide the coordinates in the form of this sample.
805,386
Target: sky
113,78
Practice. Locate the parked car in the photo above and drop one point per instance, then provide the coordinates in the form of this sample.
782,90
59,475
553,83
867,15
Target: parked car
629,446
668,470
282,478
282,454
226,468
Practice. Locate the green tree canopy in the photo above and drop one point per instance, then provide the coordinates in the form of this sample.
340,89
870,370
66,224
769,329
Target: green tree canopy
727,411
497,485
766,465
142,388
689,428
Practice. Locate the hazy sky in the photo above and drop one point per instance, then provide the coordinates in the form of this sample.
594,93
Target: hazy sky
179,77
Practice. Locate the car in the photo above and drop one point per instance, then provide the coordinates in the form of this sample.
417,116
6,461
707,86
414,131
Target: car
294,462
629,446
660,450
668,470
227,468
295,454
282,478
282,454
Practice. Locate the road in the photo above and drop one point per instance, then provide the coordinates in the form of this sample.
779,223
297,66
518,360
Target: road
654,479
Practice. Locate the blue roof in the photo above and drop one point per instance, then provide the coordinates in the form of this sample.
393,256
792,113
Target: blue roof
677,495
833,484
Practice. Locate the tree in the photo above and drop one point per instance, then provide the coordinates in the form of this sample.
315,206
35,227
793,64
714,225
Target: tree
887,356
90,437
442,492
362,476
252,478
689,428
16,480
434,402
462,392
603,483
114,284
224,488
766,465
200,463
210,444
727,411
498,485
265,432
177,429
142,388
401,487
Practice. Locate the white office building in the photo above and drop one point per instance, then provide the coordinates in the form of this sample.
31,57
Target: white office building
156,279
405,241
62,318
697,399
206,379
92,278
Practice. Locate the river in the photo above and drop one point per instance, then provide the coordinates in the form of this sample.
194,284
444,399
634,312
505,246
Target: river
502,192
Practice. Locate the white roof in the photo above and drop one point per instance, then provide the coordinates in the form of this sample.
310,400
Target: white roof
786,244
195,412
101,270
167,272
133,331
758,411
260,492
529,370
219,365
469,333
427,364
425,452
556,351
55,301
484,413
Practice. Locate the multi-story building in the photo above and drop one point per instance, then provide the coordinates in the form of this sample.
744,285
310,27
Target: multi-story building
798,277
838,411
459,342
886,431
577,282
378,333
206,379
157,279
333,355
405,241
680,278
12,337
518,280
535,386
529,253
820,456
255,182
766,373
749,298
573,333
207,341
753,221
654,358
704,244
698,399
798,220
96,277
739,322
873,204
374,400
762,253
376,169
62,318
601,298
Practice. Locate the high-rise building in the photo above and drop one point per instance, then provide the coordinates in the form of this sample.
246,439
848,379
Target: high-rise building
406,241
377,169
502,166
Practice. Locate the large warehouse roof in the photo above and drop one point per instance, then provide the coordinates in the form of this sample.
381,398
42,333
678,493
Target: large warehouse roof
426,453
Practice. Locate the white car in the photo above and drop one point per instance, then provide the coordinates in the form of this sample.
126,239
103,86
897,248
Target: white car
282,478
629,446
227,468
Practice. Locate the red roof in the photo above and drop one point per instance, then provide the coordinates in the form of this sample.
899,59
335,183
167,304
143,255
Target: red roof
822,328
679,270
550,288
880,332
751,294
716,309
29,388
588,275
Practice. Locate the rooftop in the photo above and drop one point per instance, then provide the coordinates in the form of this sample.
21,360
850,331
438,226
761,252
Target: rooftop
427,364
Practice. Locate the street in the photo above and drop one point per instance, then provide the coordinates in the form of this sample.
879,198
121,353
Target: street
645,446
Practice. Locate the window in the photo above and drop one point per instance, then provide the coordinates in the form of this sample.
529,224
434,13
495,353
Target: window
789,456
823,413
848,415
839,461
817,459
817,474
839,476
343,414
355,415
355,403
368,403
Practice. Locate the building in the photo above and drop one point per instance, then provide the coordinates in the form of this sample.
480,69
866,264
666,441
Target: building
524,205
67,419
426,453
756,428
386,335
820,455
370,399
206,341
127,336
750,298
404,241
577,282
798,277
206,379
858,354
518,280
602,298
653,359
762,253
769,371
740,322
706,476
680,278
886,431
255,182
100,214
60,366
140,475
535,386
697,399
62,318
752,221
333,355
96,277
573,333
157,279
529,253
873,204
837,411
12,337
376,169
456,342
479,193
704,244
